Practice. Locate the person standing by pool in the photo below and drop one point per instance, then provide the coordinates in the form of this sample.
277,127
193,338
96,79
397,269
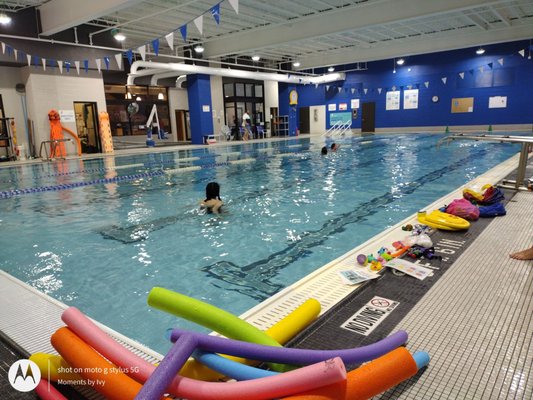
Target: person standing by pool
246,121
212,202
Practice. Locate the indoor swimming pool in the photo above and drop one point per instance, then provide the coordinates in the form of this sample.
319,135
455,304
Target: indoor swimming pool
99,234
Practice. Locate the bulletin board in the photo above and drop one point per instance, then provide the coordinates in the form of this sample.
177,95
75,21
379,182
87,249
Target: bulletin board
463,105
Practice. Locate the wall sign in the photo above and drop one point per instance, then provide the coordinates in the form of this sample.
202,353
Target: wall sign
410,99
67,116
293,97
393,100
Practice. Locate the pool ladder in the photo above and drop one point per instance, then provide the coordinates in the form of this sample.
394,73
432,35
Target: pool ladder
527,145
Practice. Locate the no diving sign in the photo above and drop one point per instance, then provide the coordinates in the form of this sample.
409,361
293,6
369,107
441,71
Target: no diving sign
370,315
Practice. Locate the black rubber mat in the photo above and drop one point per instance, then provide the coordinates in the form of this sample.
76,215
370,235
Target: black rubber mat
327,333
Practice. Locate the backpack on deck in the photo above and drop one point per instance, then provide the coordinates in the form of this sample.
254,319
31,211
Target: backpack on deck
464,209
493,210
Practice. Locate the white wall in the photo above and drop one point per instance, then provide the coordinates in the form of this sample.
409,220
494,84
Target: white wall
177,100
12,100
271,98
52,90
318,126
217,103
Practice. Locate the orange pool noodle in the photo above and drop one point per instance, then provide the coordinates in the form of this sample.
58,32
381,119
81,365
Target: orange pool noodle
368,380
104,376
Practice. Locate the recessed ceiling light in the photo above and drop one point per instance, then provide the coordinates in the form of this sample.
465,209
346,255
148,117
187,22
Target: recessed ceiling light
480,51
138,98
331,69
400,61
160,96
256,58
199,48
296,63
5,19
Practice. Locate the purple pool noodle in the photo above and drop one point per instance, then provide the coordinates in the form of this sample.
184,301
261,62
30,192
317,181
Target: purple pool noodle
289,355
162,377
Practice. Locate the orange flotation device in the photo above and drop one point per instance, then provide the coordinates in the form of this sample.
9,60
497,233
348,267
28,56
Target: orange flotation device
57,149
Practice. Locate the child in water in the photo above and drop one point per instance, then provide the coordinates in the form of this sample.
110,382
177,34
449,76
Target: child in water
212,202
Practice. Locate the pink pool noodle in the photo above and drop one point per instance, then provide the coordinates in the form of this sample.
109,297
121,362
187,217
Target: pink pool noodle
46,391
292,382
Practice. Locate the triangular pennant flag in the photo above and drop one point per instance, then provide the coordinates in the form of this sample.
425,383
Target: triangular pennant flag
215,12
409,87
462,75
44,64
481,69
60,65
339,89
36,60
106,62
77,64
67,66
500,61
183,31
199,22
118,59
99,65
522,52
365,90
142,51
417,86
316,85
327,88
490,65
86,65
129,54
471,71
28,57
9,50
155,45
235,5
426,84
379,90
15,53
3,48
170,40
444,80
353,90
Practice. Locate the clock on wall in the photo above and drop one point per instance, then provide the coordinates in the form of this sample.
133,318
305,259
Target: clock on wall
293,97
434,99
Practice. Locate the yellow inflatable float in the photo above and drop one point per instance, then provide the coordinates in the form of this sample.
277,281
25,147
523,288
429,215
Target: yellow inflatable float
441,220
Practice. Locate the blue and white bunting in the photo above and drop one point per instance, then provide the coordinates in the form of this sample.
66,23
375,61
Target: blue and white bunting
215,12
170,40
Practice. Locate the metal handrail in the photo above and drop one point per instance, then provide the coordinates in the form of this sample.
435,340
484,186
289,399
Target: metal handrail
526,141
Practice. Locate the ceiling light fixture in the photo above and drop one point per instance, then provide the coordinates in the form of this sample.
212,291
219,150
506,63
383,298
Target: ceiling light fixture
138,98
118,35
5,19
400,61
199,48
394,66
256,58
480,51
296,64
331,69
160,96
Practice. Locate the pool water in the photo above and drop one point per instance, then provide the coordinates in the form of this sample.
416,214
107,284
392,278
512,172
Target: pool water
99,234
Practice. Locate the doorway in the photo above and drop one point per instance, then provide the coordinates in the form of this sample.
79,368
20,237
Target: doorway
183,125
274,121
87,126
303,123
368,117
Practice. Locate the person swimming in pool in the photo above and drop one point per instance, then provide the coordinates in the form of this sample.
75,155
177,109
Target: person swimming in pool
324,150
212,202
335,146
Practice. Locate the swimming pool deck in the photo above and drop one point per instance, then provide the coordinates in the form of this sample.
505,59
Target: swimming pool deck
474,316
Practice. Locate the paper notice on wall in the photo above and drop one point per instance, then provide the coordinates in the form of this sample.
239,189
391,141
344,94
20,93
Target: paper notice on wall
393,100
343,106
206,108
67,116
332,107
354,103
498,102
410,99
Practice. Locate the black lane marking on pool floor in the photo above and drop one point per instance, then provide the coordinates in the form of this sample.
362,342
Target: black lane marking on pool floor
326,332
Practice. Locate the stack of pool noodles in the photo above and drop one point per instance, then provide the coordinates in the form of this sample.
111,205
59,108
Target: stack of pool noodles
83,345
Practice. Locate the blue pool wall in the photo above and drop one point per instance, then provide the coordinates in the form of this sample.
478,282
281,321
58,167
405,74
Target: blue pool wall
513,79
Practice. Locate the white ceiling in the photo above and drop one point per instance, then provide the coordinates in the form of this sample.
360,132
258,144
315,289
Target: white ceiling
315,32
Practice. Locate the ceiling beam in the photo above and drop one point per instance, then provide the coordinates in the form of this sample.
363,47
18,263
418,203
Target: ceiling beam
423,45
59,15
341,20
